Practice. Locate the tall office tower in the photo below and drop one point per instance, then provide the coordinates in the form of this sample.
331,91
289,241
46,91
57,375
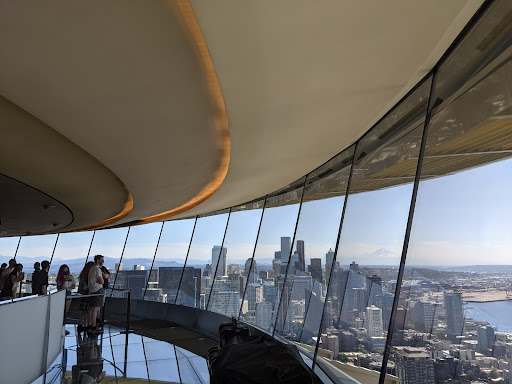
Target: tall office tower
137,267
254,295
169,280
374,321
329,259
414,365
135,280
486,338
252,275
422,316
294,263
225,302
263,315
316,269
207,270
360,300
234,269
118,266
454,312
286,244
331,343
374,284
219,257
276,267
269,292
301,266
277,255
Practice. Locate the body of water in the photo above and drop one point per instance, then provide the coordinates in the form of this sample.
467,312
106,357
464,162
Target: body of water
496,313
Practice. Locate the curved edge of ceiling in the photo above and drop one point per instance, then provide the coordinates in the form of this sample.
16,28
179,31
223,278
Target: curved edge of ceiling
186,16
29,148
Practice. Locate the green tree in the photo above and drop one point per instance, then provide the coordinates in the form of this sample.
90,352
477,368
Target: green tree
343,358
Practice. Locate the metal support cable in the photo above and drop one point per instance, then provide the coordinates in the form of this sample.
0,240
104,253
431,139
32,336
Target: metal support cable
252,259
336,249
153,261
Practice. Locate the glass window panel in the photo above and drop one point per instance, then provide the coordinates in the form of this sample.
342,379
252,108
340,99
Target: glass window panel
8,248
109,243
309,267
357,311
231,263
188,371
133,272
72,249
277,227
208,233
36,249
169,261
453,314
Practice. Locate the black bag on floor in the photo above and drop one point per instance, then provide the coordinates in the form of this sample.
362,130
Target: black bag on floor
242,358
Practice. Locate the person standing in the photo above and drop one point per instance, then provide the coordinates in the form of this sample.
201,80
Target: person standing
66,281
2,279
95,280
106,277
83,289
40,279
14,277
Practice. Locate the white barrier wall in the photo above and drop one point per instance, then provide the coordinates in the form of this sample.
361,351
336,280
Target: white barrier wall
30,329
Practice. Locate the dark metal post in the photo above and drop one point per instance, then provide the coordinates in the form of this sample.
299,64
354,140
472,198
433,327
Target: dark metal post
252,259
218,261
153,262
186,259
127,330
279,304
408,228
120,260
336,249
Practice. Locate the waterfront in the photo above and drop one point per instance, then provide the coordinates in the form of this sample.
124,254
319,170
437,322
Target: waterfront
496,313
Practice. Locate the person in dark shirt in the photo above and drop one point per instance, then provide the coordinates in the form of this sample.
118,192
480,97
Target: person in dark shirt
14,277
40,279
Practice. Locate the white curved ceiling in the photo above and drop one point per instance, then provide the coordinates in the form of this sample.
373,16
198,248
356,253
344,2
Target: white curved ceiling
301,81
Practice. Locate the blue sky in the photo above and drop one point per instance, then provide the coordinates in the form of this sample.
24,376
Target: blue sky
460,219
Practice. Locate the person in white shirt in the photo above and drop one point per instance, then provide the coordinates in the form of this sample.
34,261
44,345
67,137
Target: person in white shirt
95,282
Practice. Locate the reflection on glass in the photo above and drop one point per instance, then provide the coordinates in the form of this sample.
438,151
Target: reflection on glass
169,261
312,258
134,269
34,249
453,318
357,310
231,263
188,371
208,234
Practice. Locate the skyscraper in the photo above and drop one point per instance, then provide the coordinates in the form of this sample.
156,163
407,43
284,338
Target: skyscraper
286,243
301,265
263,315
485,337
329,260
252,271
135,280
316,269
454,312
375,290
219,261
